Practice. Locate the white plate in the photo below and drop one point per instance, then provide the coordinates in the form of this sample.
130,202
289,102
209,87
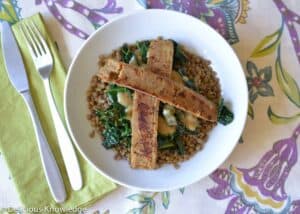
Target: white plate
199,38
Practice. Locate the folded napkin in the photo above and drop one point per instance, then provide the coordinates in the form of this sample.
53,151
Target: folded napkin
17,140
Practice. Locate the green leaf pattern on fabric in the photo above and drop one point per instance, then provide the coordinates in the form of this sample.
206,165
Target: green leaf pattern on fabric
151,207
135,211
286,82
250,111
147,203
277,119
165,197
9,11
138,198
268,45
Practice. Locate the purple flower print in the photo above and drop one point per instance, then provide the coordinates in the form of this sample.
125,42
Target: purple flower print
295,207
223,190
260,188
290,18
93,15
221,15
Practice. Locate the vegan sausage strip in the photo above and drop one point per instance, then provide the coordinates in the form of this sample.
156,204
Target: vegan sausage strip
164,89
144,121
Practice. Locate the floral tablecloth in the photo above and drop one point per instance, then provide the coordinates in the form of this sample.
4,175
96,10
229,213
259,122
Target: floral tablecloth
262,174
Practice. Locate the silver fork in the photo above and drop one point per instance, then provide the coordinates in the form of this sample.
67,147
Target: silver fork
43,62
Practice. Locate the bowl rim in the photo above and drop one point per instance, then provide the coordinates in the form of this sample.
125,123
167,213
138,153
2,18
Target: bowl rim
102,28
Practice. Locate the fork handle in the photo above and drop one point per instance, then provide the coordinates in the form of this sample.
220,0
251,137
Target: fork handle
51,170
65,144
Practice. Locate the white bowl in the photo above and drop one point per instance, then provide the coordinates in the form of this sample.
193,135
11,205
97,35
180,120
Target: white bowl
200,39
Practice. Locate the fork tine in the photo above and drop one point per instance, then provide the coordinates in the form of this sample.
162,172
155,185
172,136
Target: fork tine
28,40
41,38
34,38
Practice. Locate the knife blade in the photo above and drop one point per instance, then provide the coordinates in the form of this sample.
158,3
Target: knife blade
18,77
13,60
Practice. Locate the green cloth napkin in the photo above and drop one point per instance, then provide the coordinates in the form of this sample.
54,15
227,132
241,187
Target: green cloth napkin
17,140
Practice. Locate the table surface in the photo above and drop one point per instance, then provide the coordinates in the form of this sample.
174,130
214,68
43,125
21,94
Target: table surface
262,174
